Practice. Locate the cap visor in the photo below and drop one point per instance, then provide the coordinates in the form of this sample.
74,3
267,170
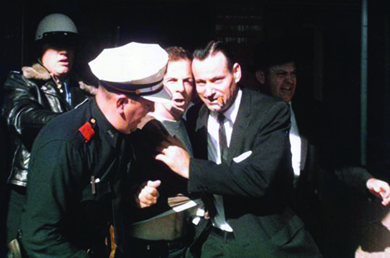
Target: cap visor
160,97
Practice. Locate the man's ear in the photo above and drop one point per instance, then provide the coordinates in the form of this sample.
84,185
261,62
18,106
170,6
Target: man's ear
121,102
260,76
237,72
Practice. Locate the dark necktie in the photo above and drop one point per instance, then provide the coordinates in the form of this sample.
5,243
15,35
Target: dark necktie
208,199
222,138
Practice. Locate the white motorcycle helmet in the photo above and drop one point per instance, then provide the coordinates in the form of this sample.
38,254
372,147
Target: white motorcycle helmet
55,27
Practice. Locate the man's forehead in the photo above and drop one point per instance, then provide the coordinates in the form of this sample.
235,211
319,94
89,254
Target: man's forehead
180,68
289,66
185,63
213,64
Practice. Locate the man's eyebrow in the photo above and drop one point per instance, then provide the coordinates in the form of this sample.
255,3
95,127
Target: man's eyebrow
217,77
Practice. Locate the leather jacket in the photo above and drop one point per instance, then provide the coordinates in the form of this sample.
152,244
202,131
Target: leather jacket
32,98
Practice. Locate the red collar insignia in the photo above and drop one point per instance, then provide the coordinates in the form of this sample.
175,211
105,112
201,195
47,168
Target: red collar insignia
87,129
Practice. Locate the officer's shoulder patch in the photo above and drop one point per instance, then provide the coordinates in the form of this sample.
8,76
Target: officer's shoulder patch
86,129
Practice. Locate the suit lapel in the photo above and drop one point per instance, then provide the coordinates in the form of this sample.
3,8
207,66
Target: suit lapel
199,144
240,126
202,118
304,145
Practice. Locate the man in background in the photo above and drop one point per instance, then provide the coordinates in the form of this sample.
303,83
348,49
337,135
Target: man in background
275,70
152,234
34,96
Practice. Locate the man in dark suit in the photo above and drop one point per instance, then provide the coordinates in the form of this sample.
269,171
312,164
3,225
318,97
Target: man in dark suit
275,70
242,166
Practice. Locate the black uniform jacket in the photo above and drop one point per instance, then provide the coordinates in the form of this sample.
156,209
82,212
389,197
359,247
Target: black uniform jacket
74,175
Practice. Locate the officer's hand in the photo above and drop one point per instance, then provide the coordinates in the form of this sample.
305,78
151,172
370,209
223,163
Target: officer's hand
379,188
174,155
149,194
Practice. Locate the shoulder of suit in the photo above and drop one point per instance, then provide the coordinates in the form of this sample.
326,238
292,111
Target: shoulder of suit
258,98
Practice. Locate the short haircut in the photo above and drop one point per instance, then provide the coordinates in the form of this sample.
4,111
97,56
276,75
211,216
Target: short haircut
178,53
212,48
268,54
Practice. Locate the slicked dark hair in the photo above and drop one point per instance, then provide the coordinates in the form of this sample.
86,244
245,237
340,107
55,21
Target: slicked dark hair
178,53
277,52
212,48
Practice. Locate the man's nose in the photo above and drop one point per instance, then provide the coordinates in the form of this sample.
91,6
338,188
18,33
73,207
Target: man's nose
179,86
290,78
63,52
148,106
209,91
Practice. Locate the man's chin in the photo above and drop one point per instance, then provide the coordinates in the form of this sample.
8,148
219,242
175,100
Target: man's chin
214,107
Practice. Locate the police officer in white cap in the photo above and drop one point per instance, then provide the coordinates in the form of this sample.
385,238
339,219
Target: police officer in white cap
34,96
80,159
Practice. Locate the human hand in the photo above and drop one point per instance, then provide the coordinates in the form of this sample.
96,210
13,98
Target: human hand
379,188
149,194
90,89
174,155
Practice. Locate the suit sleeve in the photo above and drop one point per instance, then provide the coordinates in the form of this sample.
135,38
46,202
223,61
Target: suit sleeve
354,177
267,166
54,176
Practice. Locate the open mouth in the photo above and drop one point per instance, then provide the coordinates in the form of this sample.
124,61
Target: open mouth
286,89
63,62
179,102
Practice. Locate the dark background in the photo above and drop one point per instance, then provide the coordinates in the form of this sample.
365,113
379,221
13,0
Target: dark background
328,34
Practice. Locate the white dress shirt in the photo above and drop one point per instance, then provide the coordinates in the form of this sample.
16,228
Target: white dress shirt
214,153
296,143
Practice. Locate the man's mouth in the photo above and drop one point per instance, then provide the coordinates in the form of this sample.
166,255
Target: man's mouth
220,101
217,102
63,61
179,102
286,88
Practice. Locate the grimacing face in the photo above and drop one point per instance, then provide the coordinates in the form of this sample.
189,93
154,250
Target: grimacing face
282,81
215,83
58,61
178,81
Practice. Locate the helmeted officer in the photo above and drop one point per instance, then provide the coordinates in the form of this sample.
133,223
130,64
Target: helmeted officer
79,159
35,95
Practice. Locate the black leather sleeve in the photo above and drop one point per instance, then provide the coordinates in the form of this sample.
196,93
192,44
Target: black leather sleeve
24,108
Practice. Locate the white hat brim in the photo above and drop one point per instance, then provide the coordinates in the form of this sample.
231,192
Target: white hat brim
159,97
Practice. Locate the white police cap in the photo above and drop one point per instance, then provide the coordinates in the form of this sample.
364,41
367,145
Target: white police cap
133,69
